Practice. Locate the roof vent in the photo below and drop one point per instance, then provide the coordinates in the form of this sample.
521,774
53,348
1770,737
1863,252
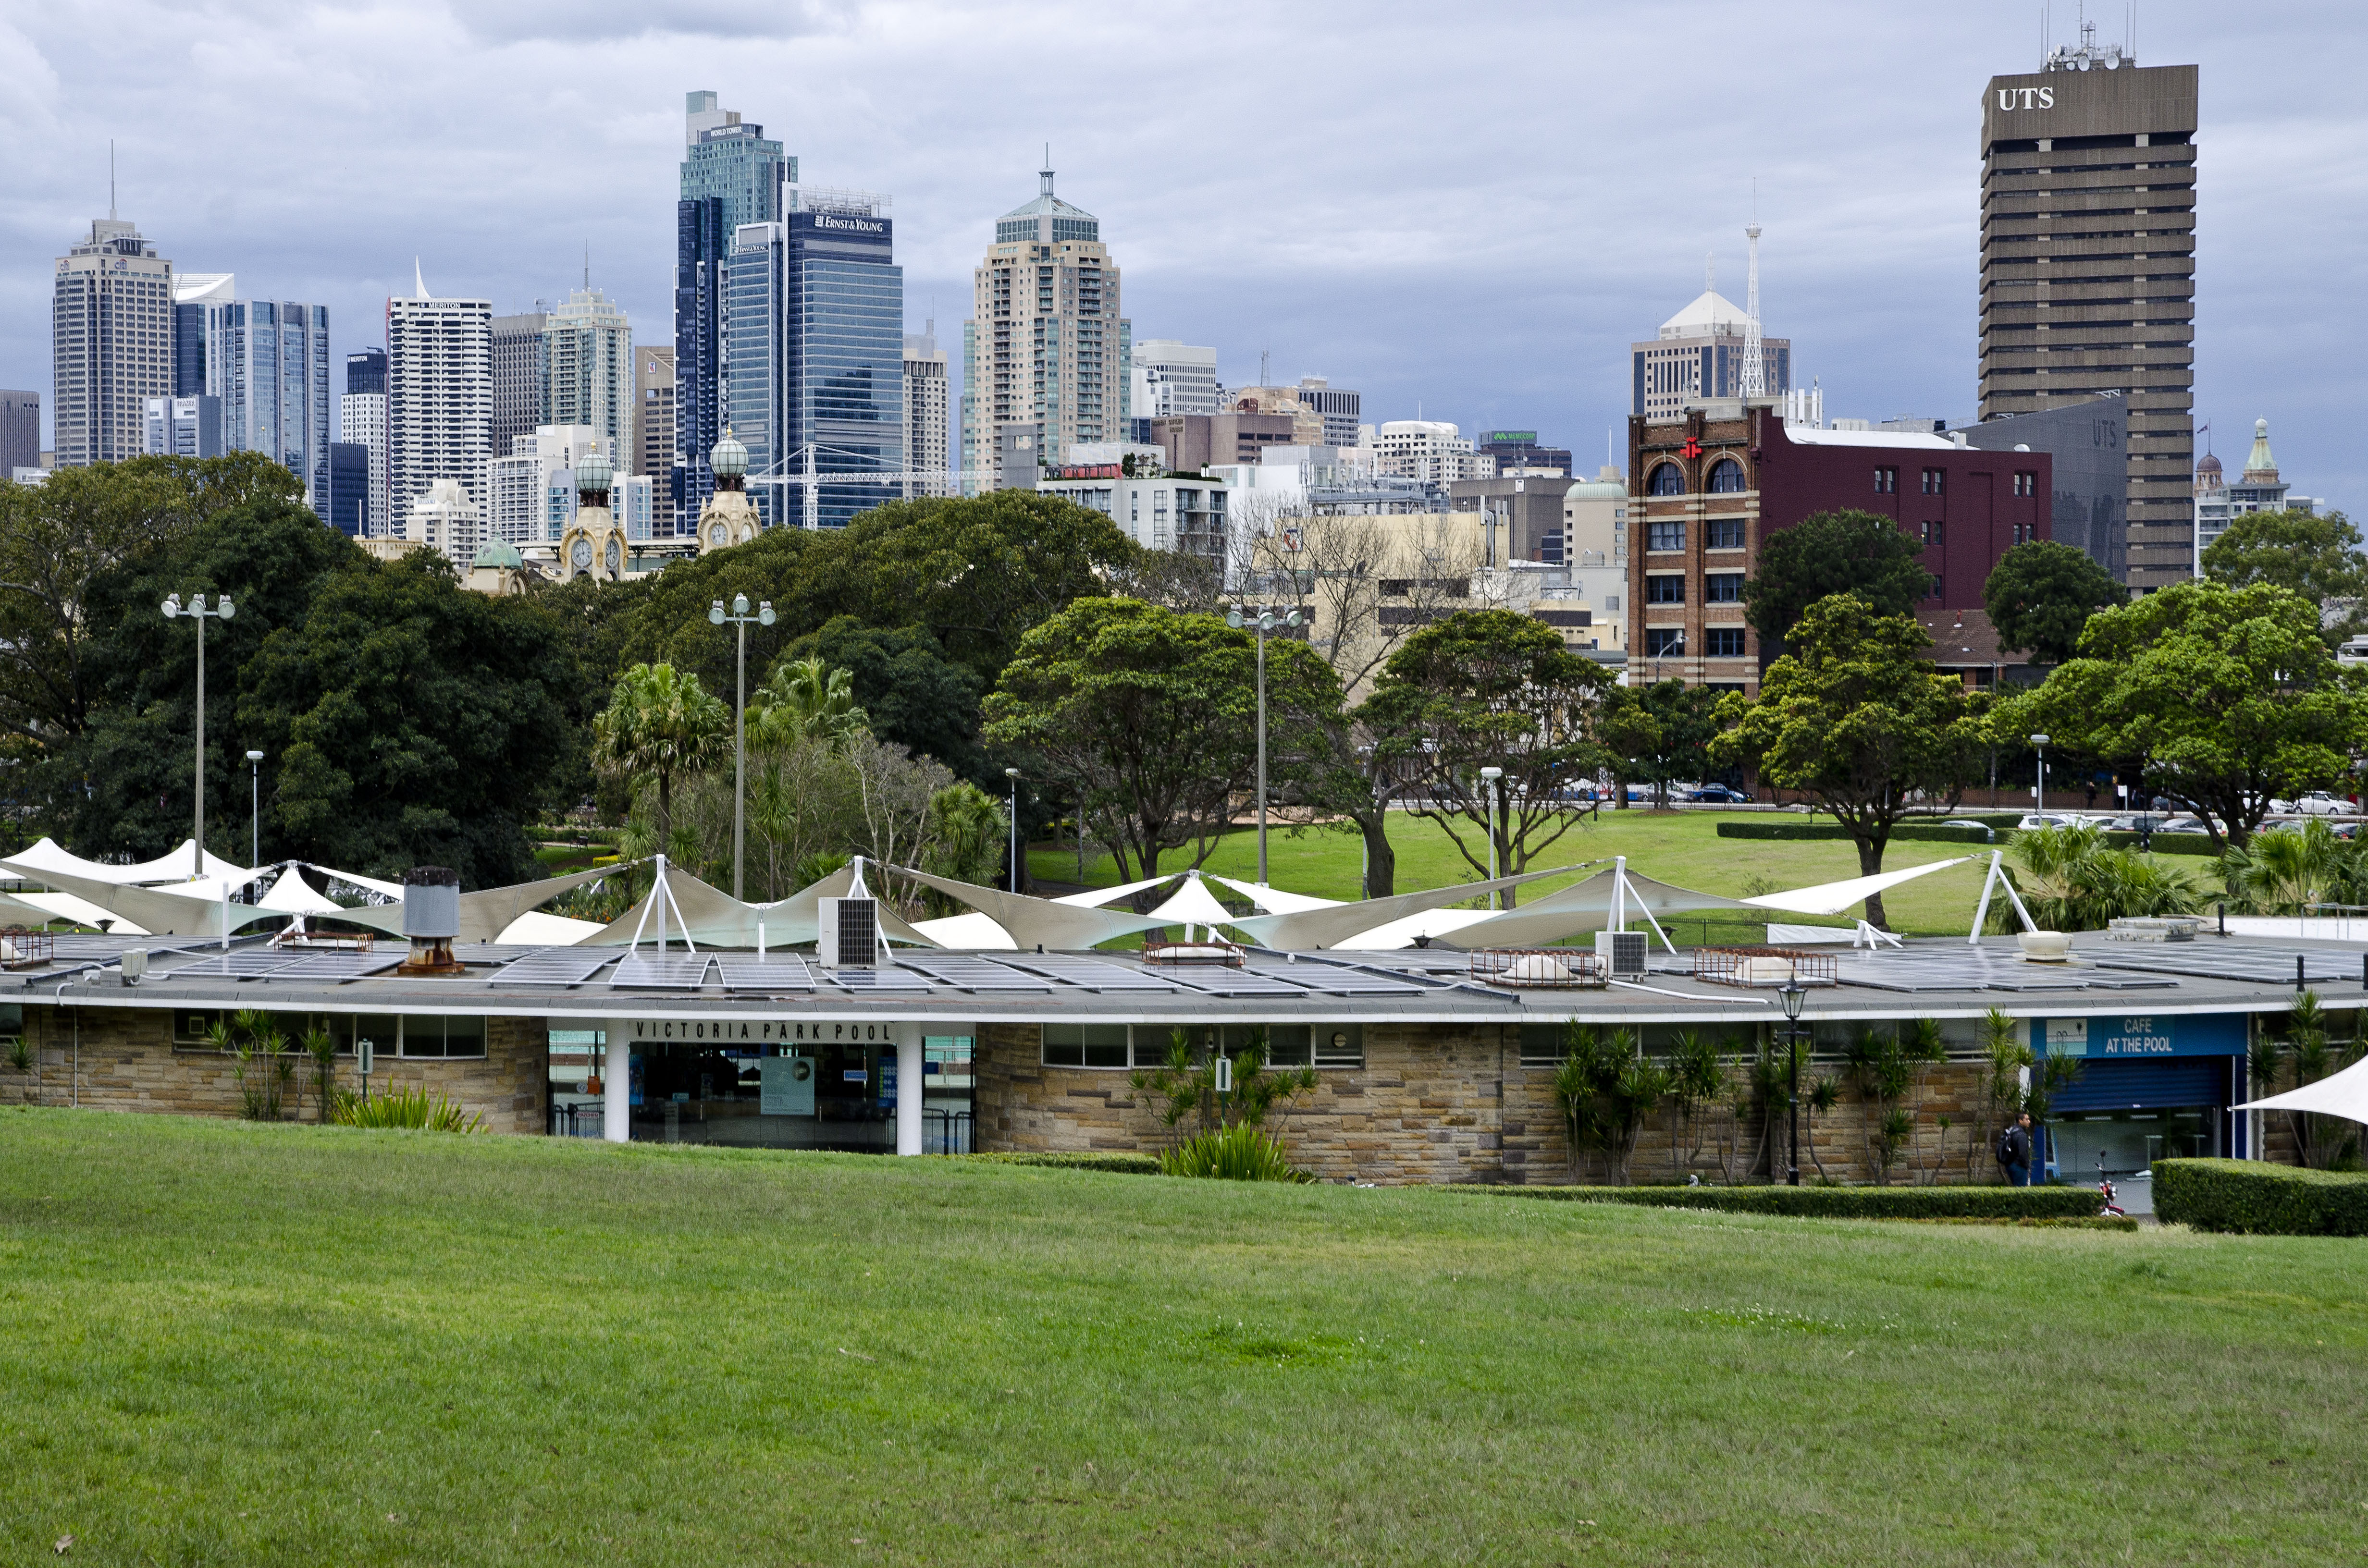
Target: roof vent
431,919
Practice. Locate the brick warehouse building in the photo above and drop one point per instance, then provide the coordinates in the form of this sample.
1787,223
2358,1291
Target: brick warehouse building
1708,487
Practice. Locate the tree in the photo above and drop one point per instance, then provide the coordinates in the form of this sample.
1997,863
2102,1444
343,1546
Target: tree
1152,716
805,700
2318,558
1833,552
1490,688
2229,696
1661,734
2041,595
1857,718
2071,881
912,693
659,725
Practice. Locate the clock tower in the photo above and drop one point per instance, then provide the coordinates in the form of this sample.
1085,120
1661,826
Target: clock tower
594,546
727,519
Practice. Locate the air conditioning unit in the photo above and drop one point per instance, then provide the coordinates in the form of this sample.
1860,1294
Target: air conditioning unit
850,934
1623,952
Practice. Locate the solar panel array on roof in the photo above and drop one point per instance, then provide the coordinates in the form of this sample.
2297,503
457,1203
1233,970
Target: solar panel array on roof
1091,974
2223,960
234,966
1342,979
785,972
973,974
645,972
887,977
555,966
333,965
1974,969
1215,979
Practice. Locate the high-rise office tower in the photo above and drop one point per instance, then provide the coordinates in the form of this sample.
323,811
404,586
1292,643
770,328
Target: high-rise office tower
1698,353
192,293
183,428
267,361
925,446
521,376
20,431
588,347
361,420
814,350
345,502
440,396
653,432
1170,378
111,332
1342,409
731,175
1047,345
2088,269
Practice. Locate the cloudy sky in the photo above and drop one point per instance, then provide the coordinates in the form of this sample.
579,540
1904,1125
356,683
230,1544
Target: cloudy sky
1468,210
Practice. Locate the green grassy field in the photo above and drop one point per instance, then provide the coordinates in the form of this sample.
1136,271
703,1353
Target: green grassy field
1682,847
231,1343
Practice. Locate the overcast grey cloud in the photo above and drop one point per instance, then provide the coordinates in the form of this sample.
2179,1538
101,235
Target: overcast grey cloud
1468,210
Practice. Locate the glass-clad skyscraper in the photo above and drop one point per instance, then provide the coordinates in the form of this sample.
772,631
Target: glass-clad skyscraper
731,175
815,343
268,362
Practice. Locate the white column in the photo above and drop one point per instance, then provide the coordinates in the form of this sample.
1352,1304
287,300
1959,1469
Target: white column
617,1102
909,1081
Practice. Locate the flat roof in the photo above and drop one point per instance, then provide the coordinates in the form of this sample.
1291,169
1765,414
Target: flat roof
1938,978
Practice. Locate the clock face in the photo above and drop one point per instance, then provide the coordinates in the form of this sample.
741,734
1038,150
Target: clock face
582,554
716,534
616,557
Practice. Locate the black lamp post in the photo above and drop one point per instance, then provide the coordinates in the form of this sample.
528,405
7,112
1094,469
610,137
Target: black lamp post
1793,995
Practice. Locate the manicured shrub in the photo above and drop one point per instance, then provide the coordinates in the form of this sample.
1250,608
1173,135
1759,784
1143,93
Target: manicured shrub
1111,1161
413,1107
1913,833
1244,1152
2254,1197
2166,843
1839,1202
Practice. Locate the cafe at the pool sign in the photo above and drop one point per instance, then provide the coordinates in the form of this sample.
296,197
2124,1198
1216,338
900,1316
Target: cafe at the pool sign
2142,1034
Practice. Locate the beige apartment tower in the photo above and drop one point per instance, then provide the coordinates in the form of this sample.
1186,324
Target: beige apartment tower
111,332
2088,269
1045,343
925,388
653,440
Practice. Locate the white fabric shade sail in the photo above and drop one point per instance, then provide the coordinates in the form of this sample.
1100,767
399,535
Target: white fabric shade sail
1031,922
714,918
1193,905
1434,924
1832,898
1586,906
972,932
1274,901
1308,930
2343,1093
42,907
46,854
1099,898
187,909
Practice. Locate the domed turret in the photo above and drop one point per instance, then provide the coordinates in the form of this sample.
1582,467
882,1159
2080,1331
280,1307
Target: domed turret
2208,475
728,462
593,473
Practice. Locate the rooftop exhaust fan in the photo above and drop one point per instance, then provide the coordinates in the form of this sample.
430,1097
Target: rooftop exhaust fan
431,919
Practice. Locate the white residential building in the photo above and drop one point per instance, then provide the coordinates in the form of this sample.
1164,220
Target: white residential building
1430,450
445,519
439,382
926,439
1169,376
531,494
589,357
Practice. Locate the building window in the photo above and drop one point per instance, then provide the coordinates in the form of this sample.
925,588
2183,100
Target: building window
1669,589
1886,481
2026,485
1934,591
1669,534
1665,641
1085,1045
1727,477
1936,480
1611,604
1722,588
1725,533
1727,643
1667,480
1931,535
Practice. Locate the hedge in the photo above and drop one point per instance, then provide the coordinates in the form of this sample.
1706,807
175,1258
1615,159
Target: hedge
1904,832
1840,1202
2259,1198
2167,843
1113,1161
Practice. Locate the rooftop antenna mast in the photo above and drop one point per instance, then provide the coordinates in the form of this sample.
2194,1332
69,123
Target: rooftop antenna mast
1755,376
587,266
110,179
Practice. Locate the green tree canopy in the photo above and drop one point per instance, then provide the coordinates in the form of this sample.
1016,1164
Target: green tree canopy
1490,688
659,725
1152,716
2041,595
1834,552
1661,734
2227,696
912,692
2318,558
1857,718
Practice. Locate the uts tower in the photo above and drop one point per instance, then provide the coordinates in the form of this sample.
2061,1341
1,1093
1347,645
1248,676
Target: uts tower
2088,269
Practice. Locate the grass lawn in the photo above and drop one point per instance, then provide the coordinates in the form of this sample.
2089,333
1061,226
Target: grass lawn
229,1343
1682,847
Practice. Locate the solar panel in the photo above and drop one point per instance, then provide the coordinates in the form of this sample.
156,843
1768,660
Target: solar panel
1214,980
642,972
1341,979
2220,960
555,966
1090,974
787,973
232,966
334,965
975,974
886,978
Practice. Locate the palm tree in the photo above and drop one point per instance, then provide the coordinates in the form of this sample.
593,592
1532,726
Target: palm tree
965,834
659,724
805,698
2073,882
2283,872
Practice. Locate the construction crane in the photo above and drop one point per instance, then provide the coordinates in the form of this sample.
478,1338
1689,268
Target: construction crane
813,479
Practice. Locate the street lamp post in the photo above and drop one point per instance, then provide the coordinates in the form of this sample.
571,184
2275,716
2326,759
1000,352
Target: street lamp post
224,610
1013,774
2041,741
1264,620
1494,777
740,618
1791,995
254,808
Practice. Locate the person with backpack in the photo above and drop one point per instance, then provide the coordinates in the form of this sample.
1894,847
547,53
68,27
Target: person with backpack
2014,1151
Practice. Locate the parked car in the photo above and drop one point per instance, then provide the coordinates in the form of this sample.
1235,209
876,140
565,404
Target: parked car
2050,819
1988,837
2319,803
2183,824
1719,794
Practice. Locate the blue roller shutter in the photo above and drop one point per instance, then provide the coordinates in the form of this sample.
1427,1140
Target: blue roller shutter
2130,1086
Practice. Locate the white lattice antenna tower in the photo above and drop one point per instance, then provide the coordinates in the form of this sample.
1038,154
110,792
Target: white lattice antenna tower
1755,376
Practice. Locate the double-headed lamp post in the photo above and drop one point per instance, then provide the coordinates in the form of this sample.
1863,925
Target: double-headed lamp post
224,610
1264,620
1493,778
1793,995
2041,741
1013,774
254,808
740,618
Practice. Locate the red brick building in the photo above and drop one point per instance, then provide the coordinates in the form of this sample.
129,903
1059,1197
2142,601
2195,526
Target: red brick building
1706,490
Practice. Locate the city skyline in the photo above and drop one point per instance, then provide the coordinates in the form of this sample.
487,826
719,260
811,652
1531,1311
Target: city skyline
1467,290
